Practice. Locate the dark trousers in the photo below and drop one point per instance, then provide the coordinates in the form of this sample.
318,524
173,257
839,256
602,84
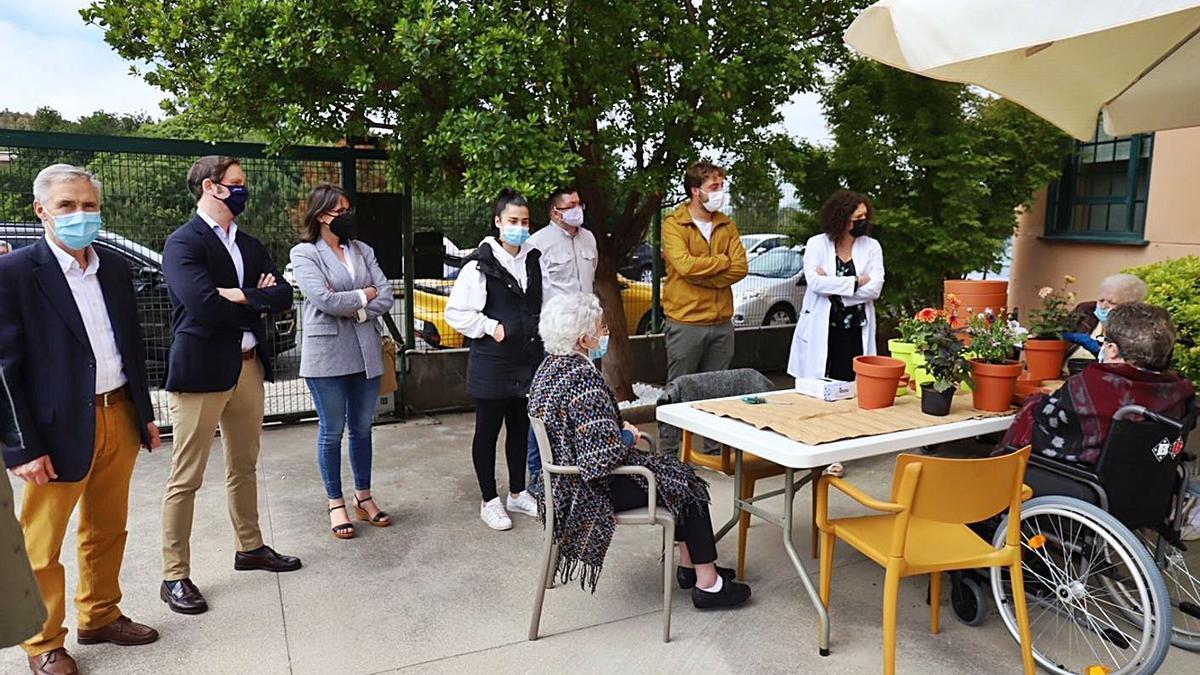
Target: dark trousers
490,415
844,345
694,528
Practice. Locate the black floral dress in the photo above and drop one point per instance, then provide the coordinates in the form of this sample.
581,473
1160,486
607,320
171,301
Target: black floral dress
845,330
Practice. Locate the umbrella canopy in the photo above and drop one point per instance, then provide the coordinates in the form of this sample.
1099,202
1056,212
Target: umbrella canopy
1068,61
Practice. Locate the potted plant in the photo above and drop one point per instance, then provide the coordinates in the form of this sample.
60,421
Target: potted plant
1045,350
994,373
912,330
945,362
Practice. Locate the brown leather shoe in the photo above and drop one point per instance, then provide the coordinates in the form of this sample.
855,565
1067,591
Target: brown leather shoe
124,631
53,662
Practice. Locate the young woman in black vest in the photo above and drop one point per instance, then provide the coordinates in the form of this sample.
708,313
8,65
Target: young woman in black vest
496,303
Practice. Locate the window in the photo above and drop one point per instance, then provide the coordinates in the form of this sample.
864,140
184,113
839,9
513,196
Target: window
1101,196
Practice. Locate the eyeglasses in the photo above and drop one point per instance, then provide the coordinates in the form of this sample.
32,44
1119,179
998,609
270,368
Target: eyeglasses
338,212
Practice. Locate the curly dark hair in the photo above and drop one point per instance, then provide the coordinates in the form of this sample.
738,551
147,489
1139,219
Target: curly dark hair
1144,333
837,211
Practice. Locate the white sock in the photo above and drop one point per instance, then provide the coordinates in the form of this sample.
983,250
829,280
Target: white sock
715,588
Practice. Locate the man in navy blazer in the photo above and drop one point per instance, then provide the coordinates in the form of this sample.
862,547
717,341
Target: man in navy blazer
71,349
221,281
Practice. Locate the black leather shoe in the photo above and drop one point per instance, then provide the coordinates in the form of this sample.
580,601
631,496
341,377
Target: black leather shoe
686,576
731,594
182,596
266,559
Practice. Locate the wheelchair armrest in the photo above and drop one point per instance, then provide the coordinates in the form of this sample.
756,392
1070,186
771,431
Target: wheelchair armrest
651,485
1063,469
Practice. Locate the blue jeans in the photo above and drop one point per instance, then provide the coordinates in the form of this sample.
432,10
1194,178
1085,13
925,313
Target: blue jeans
342,399
533,457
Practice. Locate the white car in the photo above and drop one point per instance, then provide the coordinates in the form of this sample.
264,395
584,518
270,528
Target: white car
773,292
758,244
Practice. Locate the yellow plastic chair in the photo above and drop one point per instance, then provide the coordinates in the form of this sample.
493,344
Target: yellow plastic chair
923,530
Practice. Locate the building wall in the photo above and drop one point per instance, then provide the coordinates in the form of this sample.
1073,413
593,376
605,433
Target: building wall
1172,229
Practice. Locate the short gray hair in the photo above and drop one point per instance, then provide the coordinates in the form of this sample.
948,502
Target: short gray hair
566,319
1126,287
61,173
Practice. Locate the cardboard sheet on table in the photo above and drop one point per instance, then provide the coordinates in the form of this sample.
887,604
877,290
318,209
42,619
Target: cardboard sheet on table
812,421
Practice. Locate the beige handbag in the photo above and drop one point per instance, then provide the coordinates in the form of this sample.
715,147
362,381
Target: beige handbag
387,382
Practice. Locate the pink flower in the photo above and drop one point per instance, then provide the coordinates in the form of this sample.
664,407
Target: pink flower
1045,292
927,315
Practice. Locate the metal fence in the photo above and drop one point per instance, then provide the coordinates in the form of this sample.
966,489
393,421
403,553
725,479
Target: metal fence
145,199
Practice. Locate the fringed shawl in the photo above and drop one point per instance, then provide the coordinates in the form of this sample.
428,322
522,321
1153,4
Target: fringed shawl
583,423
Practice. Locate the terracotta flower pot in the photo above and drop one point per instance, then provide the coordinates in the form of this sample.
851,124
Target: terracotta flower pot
1044,358
936,403
906,352
994,384
876,381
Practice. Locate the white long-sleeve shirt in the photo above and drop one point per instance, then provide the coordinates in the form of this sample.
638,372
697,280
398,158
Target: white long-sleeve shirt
464,310
568,260
89,298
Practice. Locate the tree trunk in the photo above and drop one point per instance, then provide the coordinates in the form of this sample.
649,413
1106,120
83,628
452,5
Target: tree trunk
618,362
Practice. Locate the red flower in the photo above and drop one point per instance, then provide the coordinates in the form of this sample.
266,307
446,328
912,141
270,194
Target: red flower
927,315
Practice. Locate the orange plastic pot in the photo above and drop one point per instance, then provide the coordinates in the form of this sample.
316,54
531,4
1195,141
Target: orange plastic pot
994,384
975,296
876,381
1044,358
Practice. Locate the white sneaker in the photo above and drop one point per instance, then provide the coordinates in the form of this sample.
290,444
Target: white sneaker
523,503
493,514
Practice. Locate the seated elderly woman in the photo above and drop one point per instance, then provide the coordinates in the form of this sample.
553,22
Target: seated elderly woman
583,423
1115,290
1072,424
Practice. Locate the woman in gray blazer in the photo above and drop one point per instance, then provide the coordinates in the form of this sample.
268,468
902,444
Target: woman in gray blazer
345,292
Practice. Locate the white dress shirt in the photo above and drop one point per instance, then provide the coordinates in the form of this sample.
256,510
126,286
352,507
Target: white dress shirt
89,298
568,260
229,241
464,309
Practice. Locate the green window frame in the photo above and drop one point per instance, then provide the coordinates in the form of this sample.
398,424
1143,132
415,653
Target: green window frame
1101,196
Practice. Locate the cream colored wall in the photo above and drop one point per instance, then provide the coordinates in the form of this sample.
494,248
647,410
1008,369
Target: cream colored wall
1172,229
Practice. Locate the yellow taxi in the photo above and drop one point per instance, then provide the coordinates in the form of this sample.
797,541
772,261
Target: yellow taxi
429,310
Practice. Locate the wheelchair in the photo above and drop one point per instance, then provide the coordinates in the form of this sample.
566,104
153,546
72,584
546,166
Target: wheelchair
1110,584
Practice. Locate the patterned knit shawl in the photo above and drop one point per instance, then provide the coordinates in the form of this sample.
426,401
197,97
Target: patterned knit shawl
583,423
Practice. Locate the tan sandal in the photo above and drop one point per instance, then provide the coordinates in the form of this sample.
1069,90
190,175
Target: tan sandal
344,530
381,519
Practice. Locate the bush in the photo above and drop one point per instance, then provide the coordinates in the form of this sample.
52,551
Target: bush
1175,286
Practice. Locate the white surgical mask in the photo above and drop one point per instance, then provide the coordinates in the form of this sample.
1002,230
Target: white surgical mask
573,216
717,200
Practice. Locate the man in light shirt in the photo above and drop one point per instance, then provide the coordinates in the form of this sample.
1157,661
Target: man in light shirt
569,258
72,354
221,281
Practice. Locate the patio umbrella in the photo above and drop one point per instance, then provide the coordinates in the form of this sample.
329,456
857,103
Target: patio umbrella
1068,61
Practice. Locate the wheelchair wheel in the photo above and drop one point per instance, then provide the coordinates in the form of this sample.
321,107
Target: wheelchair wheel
968,600
1181,572
1094,594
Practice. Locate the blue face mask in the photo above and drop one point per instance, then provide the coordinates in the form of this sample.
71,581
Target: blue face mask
236,200
1102,313
598,353
514,235
77,230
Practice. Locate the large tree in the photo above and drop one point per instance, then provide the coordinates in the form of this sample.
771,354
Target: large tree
614,97
947,168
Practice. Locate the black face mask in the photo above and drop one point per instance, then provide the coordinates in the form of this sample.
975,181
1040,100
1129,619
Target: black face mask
345,226
858,227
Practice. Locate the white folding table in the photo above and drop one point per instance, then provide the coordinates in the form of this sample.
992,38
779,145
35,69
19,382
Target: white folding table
795,456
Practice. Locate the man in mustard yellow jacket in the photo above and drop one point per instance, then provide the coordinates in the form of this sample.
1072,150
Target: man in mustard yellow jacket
705,258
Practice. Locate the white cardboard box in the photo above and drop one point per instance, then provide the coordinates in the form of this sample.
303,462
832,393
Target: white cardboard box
824,388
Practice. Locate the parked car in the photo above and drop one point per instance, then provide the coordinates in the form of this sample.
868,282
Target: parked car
154,305
429,311
758,244
773,291
639,264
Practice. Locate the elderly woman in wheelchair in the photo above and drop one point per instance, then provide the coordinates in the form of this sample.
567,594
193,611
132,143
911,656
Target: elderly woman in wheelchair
583,425
1109,582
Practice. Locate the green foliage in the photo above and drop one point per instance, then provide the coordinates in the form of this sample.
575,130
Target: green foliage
993,340
1057,313
944,355
1175,286
945,167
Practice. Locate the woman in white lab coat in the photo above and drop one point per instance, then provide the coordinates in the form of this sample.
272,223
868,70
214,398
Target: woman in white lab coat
843,267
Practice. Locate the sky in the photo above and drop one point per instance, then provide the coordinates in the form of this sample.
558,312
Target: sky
52,58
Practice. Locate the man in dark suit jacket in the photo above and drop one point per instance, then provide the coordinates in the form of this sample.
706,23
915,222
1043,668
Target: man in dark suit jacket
222,282
72,353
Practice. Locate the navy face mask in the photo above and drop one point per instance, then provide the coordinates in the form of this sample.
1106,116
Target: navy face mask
236,200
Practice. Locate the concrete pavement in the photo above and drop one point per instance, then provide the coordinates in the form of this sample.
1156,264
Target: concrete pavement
438,592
